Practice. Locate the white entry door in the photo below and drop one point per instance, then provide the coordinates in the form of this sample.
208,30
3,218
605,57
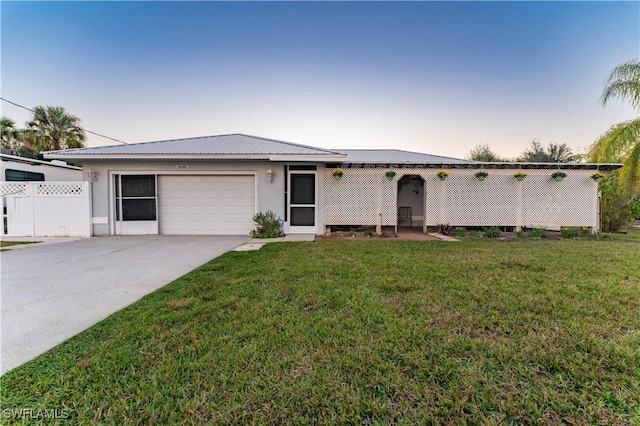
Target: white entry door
302,202
135,204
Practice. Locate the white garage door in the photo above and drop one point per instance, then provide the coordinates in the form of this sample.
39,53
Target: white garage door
206,205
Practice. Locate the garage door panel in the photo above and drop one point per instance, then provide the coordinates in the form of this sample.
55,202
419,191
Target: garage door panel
222,205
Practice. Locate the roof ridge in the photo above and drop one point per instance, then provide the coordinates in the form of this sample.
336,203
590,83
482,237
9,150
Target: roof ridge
211,136
285,142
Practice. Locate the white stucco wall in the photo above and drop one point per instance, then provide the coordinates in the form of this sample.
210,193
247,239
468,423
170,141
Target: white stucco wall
270,196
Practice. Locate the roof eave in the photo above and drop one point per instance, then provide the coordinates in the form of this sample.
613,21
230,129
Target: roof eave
318,158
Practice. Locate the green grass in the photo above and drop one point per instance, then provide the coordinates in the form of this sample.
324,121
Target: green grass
14,243
364,332
628,233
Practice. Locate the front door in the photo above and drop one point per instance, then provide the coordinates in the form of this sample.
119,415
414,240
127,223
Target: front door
135,204
302,202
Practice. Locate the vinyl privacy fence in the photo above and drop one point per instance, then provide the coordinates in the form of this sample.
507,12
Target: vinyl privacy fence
46,209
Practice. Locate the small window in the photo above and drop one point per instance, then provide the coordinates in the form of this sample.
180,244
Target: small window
11,175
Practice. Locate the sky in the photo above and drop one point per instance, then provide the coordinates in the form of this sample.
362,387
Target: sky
431,77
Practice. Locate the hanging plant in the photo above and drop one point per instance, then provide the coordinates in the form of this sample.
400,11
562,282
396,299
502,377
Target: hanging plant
390,174
338,173
598,177
442,174
558,176
519,176
481,175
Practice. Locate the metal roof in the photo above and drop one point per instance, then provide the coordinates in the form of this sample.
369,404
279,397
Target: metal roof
233,144
395,156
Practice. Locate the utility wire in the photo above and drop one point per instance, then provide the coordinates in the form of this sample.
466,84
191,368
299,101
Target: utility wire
88,131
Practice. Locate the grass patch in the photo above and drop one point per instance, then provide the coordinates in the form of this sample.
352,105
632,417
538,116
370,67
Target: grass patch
370,332
15,243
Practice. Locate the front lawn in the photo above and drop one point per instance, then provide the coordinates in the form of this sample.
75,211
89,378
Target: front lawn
363,332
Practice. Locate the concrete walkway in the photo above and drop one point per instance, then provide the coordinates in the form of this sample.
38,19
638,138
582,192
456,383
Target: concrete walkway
257,243
50,292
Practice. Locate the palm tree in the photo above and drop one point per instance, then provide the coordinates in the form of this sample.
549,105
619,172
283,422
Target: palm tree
622,141
9,133
54,128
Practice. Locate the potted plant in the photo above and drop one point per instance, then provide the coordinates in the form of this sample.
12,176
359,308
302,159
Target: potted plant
558,176
520,175
390,174
442,174
598,177
338,173
481,175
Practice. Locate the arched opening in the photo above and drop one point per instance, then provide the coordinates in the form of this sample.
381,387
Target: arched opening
411,204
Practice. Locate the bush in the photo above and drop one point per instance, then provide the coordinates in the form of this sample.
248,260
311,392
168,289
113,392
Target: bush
445,229
267,225
539,233
619,207
460,231
493,232
569,232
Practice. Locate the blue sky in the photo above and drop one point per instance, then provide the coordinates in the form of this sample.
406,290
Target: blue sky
434,77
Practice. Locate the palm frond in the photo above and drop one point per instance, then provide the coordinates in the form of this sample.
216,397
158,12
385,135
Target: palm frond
630,172
621,143
624,83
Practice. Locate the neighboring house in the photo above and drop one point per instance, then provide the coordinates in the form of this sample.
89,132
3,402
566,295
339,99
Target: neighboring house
214,185
42,198
14,168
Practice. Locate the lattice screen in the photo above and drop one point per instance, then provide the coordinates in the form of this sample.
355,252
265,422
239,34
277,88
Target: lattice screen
366,197
59,189
10,189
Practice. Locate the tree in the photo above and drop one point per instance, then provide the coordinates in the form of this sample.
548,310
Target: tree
618,208
622,141
54,128
484,153
10,133
554,153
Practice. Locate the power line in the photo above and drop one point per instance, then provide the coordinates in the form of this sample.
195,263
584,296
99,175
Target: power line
88,131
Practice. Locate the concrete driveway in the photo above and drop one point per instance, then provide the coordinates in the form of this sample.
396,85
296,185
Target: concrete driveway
52,292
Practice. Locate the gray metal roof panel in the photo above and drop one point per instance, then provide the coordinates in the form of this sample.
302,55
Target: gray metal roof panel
395,156
233,144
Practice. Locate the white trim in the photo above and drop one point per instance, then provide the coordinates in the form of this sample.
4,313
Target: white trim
99,220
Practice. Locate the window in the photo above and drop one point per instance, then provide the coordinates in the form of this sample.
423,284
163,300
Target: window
135,197
11,175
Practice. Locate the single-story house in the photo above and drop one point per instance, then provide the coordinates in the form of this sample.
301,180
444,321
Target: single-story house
215,184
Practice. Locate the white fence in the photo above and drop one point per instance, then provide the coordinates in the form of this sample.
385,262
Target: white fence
46,209
366,197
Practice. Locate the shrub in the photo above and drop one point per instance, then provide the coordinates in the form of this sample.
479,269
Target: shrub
445,229
475,234
569,232
267,225
539,233
368,234
520,234
460,232
619,206
493,232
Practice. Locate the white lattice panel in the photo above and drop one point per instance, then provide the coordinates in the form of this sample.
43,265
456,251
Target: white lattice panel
361,196
364,196
11,189
58,189
551,204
